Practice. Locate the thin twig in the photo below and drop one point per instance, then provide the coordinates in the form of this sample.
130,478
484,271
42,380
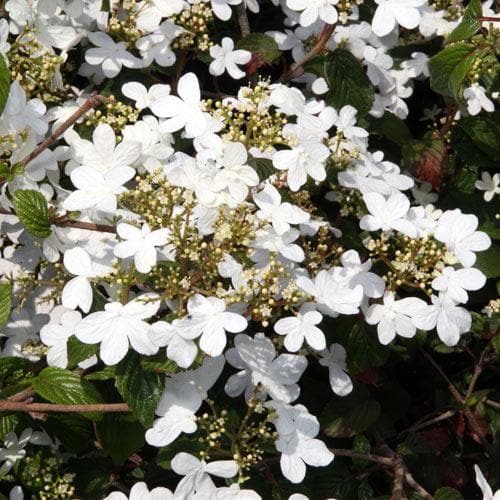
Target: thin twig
241,13
489,19
297,69
90,103
22,395
7,405
478,369
426,423
493,404
387,462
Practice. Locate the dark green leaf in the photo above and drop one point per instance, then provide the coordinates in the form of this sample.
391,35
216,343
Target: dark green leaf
391,127
448,493
364,350
7,424
32,210
470,23
360,445
263,166
64,387
449,68
5,301
141,389
78,351
350,415
120,437
74,431
489,261
262,44
12,365
4,83
346,78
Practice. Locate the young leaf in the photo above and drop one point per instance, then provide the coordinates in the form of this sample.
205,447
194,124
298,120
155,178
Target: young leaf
31,208
449,68
469,25
5,303
64,387
139,388
4,83
346,78
448,493
261,44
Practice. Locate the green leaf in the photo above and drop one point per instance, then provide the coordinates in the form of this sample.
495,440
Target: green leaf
64,387
360,445
5,302
4,83
484,132
346,78
141,389
350,415
263,166
489,261
7,424
448,493
364,350
32,210
469,25
112,429
262,44
74,431
391,127
78,351
449,68
12,365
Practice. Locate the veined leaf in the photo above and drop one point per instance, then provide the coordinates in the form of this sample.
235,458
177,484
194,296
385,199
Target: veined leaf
32,210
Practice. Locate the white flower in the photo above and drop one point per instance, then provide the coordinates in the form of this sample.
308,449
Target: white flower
269,239
179,349
143,97
234,492
484,486
110,55
140,243
345,122
118,326
314,9
302,327
332,295
261,370
221,8
489,184
458,232
103,154
14,449
394,317
182,397
227,59
55,335
391,12
296,431
335,360
455,282
423,194
387,213
207,316
307,158
476,98
16,493
78,292
140,491
449,319
21,114
97,190
280,215
196,482
183,111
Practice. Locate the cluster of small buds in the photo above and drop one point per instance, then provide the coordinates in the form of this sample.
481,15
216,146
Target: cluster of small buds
492,308
252,121
350,201
413,262
34,348
485,64
255,430
8,143
344,8
234,228
322,250
153,198
36,68
124,29
196,20
114,113
44,477
213,427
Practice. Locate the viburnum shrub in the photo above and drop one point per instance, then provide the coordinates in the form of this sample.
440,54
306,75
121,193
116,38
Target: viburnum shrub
249,249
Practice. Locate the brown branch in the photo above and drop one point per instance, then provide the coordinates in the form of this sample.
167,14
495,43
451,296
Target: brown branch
7,405
22,395
489,19
241,13
297,69
399,479
478,369
462,401
387,462
90,103
426,423
493,404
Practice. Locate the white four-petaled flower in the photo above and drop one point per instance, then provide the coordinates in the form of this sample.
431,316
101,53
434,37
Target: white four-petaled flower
228,59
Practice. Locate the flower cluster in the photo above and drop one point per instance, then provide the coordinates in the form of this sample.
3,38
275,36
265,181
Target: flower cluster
201,246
